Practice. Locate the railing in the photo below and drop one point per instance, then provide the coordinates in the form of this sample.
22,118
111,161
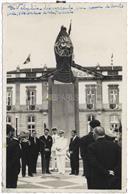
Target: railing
24,108
31,107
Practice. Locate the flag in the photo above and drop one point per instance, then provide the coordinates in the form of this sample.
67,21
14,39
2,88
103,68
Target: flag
69,31
112,60
27,60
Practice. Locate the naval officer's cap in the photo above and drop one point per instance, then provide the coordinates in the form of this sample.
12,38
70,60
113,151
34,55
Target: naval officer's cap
61,132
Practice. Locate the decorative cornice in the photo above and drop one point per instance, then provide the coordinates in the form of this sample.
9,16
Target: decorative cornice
81,79
91,68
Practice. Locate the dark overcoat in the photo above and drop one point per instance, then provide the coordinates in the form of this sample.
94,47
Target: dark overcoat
74,155
13,155
102,156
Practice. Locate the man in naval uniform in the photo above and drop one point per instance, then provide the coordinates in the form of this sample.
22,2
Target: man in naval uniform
61,149
54,138
45,150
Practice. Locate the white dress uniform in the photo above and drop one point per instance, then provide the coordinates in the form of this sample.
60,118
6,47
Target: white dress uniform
54,160
61,148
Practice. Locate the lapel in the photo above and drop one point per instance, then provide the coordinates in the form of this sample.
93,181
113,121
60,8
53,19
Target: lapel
74,138
45,138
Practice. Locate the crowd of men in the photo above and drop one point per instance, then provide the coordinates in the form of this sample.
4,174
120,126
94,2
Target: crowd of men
100,154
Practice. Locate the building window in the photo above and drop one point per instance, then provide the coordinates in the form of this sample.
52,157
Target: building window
31,119
31,98
113,92
8,120
9,98
91,96
114,124
31,123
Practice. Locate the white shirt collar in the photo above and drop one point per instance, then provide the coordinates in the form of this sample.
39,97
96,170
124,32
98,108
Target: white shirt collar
74,137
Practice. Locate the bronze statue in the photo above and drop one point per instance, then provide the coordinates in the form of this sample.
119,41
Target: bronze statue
63,52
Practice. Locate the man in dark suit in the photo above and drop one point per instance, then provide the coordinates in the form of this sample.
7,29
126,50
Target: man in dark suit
26,153
74,153
35,148
13,154
45,149
103,162
85,141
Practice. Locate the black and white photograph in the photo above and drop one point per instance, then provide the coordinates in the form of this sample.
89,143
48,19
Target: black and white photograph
64,97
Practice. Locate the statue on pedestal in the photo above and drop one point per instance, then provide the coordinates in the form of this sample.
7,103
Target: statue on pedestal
63,52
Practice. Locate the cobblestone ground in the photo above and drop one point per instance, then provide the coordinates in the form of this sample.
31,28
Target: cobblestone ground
53,182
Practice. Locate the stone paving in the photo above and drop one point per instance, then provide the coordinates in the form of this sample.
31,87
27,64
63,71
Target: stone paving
52,182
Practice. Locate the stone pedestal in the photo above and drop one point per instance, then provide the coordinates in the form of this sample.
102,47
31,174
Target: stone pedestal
63,110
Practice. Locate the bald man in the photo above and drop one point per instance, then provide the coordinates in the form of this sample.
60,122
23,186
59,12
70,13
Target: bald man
103,162
85,141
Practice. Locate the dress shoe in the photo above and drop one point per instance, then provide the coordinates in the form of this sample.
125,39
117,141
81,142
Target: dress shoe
30,175
53,170
48,173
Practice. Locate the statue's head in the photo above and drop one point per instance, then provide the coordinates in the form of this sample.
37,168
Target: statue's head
63,28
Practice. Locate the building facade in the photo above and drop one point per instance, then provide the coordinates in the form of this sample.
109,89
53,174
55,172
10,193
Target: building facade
100,97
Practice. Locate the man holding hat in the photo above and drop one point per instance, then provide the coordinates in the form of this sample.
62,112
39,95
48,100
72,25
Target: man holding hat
26,153
45,150
61,148
13,154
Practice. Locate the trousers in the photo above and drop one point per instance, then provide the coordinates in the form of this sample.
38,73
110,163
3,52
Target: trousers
54,160
45,160
61,163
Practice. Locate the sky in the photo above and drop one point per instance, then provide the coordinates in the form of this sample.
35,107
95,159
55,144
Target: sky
95,34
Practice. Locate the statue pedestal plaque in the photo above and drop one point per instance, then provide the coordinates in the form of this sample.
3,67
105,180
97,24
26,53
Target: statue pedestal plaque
63,110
